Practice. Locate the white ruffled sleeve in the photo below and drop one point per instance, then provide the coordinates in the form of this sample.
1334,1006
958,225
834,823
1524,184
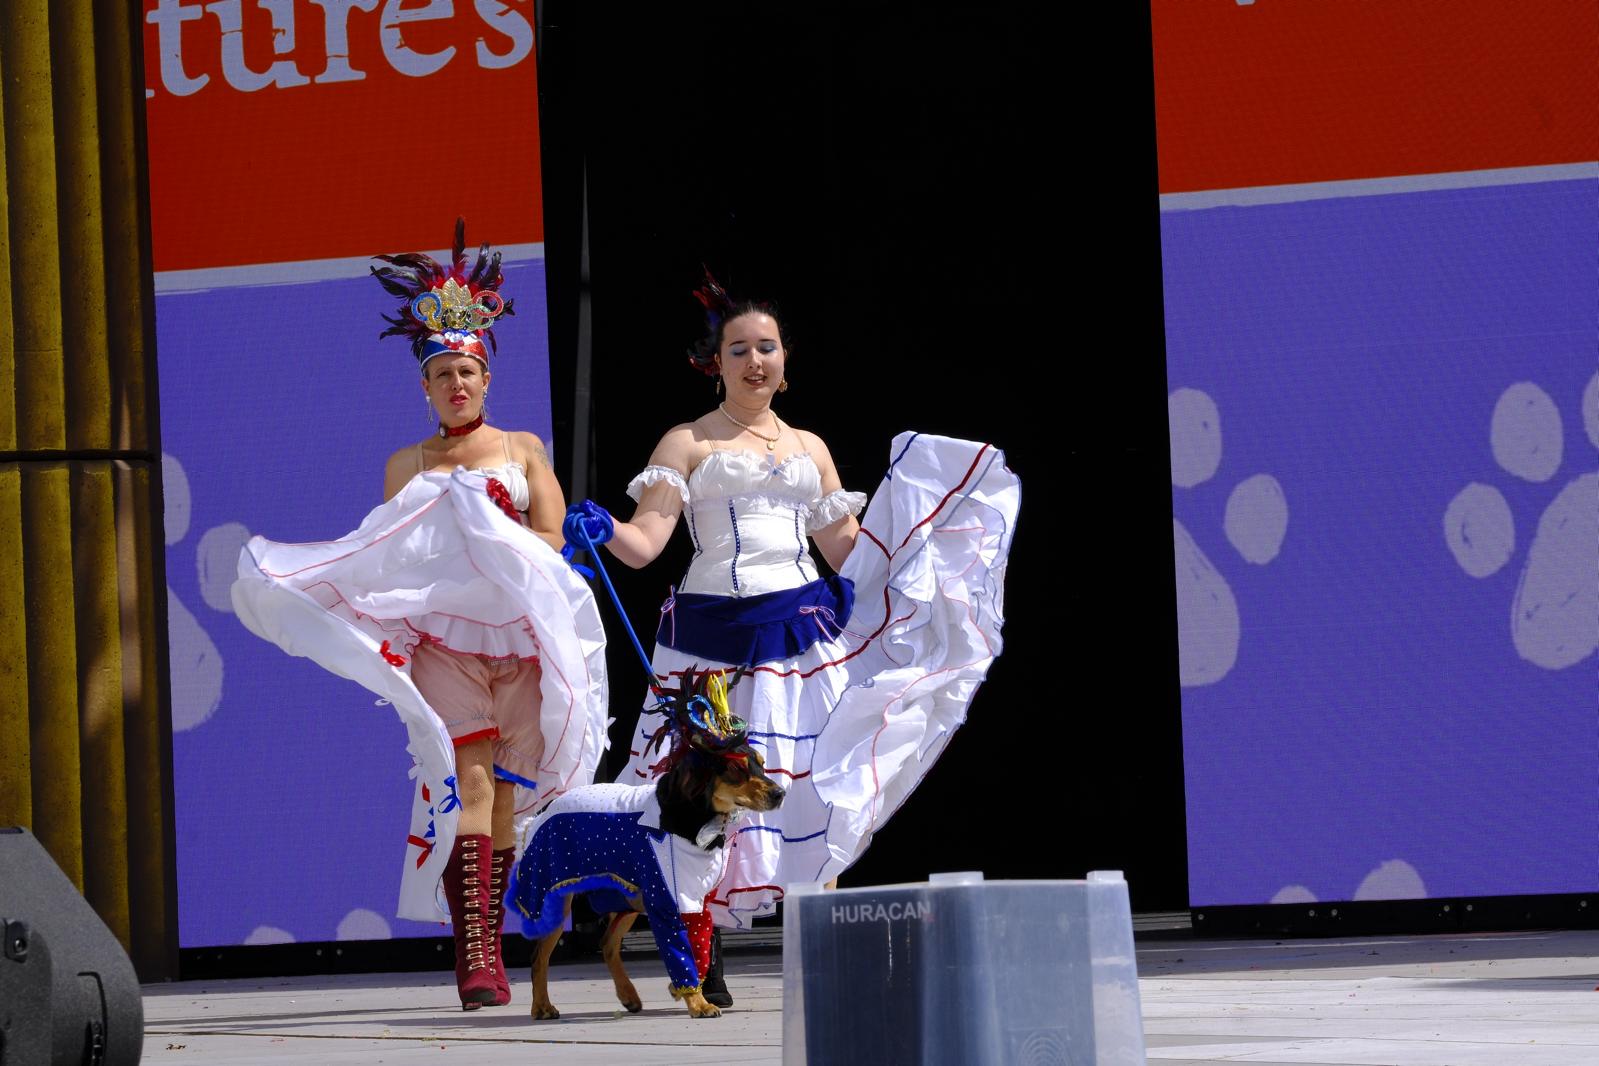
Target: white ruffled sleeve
652,475
832,507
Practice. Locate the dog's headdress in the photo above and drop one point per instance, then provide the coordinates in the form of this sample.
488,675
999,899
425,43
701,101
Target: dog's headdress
445,308
699,721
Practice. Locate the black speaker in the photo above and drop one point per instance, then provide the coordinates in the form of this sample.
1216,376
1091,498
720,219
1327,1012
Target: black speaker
68,994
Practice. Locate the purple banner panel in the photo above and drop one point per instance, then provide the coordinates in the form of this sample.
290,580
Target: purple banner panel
279,407
1385,483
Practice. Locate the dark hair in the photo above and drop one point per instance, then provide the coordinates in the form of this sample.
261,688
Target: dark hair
720,309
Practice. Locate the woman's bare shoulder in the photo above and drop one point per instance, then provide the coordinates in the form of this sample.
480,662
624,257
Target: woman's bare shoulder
401,467
681,447
528,447
403,459
812,443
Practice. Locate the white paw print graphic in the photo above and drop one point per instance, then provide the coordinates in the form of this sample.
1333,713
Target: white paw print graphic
362,924
1554,617
359,924
196,663
1256,521
1392,879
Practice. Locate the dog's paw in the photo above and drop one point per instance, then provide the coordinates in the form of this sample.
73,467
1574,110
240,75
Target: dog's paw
545,1011
698,1006
629,998
704,1008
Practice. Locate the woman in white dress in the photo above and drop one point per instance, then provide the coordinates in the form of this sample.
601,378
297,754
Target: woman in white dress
452,602
851,683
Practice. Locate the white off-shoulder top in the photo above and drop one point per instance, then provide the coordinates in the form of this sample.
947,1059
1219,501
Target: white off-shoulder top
749,518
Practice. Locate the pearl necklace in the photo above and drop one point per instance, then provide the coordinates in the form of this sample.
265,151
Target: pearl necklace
771,442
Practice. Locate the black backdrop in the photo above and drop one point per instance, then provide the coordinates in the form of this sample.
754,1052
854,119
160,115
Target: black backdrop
955,210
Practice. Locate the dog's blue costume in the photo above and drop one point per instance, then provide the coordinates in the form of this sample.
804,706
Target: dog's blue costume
607,841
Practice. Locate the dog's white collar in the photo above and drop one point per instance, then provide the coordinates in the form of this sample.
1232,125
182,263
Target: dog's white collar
717,826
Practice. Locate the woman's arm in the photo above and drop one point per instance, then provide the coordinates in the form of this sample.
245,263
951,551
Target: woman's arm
835,541
546,506
638,541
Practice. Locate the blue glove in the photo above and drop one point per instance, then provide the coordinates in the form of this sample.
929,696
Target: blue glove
587,523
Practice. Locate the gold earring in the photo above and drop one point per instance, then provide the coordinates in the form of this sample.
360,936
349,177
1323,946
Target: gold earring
782,386
718,384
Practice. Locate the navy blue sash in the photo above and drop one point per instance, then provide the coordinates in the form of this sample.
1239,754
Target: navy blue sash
751,630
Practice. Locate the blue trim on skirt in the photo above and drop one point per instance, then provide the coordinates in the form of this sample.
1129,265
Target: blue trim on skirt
516,779
751,630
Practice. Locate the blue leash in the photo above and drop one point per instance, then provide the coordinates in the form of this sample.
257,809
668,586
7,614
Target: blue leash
599,565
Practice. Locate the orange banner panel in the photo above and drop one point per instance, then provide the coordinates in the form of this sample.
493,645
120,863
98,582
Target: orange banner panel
284,130
1269,92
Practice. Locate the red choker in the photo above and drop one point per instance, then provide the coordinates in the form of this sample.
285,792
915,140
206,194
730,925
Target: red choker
460,431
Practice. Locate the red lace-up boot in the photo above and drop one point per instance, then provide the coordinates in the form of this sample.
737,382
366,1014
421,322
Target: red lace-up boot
499,872
466,886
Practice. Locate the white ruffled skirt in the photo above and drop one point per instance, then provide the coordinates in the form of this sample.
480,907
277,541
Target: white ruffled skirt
852,724
440,562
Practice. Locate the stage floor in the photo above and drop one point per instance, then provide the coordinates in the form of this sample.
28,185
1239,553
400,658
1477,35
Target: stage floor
1487,999
1479,1000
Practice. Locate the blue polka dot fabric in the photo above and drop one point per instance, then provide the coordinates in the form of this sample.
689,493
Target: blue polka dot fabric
601,840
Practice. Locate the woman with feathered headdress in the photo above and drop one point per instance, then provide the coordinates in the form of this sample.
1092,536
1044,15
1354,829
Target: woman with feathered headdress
452,603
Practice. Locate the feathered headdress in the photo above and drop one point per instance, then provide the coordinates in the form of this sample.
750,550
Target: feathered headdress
444,309
698,720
